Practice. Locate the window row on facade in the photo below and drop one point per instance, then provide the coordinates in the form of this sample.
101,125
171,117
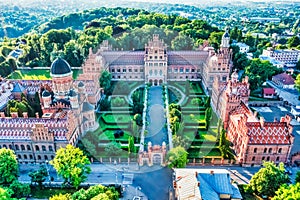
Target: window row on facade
118,70
27,147
268,151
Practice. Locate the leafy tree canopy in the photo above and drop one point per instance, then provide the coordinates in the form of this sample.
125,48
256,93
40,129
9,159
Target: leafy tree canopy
177,157
289,192
71,164
268,179
8,166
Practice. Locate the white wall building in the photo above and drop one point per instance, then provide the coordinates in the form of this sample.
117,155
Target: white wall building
286,56
244,48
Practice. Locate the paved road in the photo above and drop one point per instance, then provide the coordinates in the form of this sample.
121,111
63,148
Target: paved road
157,133
290,95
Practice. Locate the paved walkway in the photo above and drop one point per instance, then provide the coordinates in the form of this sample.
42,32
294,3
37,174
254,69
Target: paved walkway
289,95
157,132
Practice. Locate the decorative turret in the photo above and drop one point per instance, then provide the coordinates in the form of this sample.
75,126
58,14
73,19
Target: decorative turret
225,39
62,79
46,97
73,99
234,76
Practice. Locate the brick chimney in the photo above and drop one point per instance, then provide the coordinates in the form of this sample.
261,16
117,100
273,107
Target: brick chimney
14,114
25,114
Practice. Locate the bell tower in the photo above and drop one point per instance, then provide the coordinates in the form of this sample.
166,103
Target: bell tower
156,61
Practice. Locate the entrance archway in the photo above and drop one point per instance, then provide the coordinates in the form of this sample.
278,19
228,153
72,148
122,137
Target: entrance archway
160,82
151,82
155,82
157,159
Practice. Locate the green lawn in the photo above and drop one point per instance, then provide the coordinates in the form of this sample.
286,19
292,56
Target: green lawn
116,118
36,74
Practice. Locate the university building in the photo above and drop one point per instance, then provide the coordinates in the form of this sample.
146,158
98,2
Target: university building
287,56
254,140
68,105
157,65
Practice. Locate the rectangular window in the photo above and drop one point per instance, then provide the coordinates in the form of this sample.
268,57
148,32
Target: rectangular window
130,70
193,70
135,70
176,70
187,70
118,70
181,70
141,70
124,70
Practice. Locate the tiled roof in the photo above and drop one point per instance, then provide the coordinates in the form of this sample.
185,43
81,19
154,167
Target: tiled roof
18,88
270,133
268,90
284,78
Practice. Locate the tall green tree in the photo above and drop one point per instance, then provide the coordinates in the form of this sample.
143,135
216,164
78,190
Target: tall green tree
19,189
131,146
105,80
39,176
71,164
5,194
224,146
297,82
61,197
288,192
177,157
8,166
293,42
268,179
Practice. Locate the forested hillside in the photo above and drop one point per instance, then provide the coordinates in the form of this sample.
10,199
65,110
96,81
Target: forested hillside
126,29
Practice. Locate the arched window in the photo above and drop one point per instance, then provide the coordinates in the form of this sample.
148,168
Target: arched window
17,147
46,157
253,158
25,156
270,150
43,148
19,157
52,157
22,147
277,159
268,158
4,146
39,157
50,148
279,150
37,148
10,146
263,158
30,157
28,147
255,150
265,150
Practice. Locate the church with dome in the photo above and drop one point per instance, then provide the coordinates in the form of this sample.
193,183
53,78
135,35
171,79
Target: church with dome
68,112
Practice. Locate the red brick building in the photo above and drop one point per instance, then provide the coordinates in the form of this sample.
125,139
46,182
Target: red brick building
254,140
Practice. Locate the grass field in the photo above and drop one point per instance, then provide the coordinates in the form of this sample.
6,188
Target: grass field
36,74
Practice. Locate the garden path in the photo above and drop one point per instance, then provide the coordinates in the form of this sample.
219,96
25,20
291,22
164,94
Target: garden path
157,132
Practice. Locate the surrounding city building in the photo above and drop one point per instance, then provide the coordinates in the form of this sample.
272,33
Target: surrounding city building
157,65
67,114
254,140
284,80
244,48
288,57
269,93
273,61
202,184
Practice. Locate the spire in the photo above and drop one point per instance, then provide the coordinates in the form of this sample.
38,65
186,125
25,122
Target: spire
225,39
